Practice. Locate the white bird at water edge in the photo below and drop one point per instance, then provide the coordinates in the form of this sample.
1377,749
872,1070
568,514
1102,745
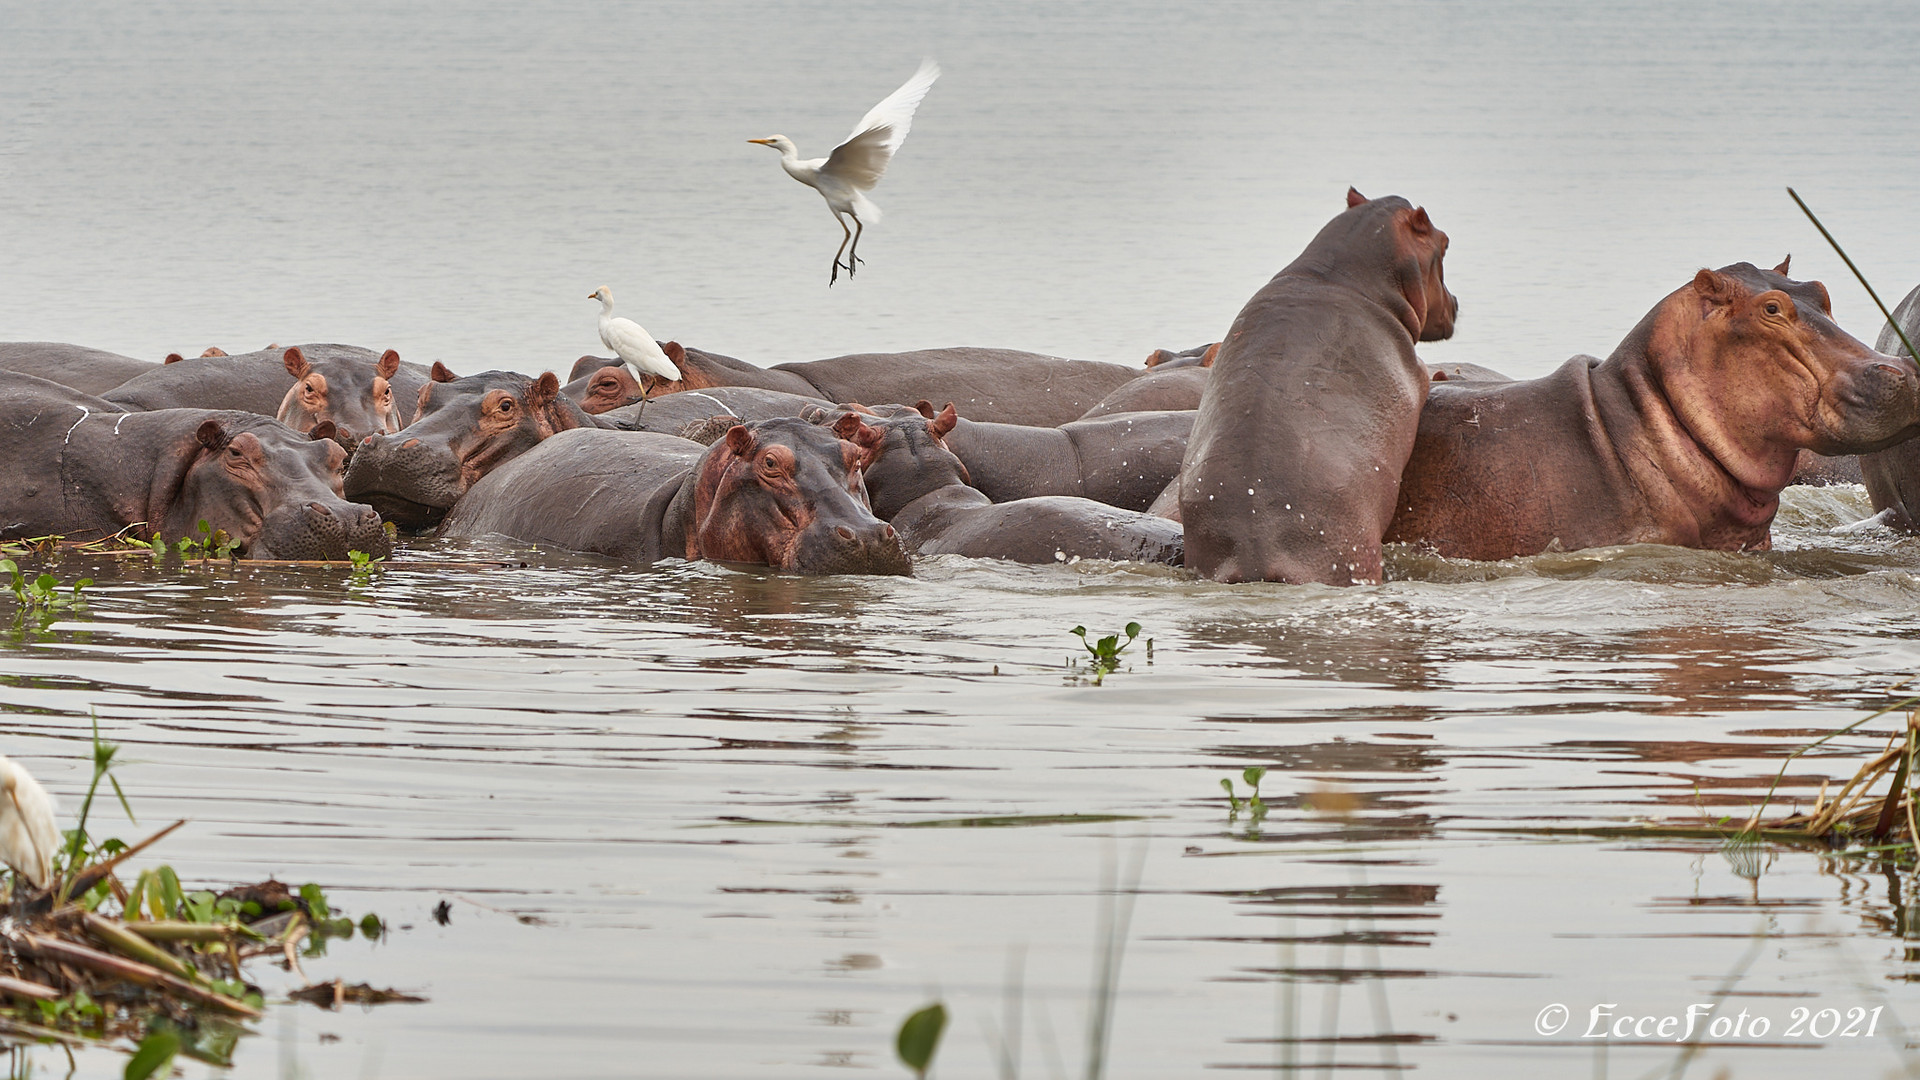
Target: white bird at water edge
844,177
28,834
631,342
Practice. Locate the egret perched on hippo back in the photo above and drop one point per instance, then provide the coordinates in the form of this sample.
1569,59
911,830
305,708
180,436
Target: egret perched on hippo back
631,342
844,177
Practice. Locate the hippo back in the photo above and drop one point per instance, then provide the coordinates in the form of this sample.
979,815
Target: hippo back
1002,385
90,371
671,413
1892,476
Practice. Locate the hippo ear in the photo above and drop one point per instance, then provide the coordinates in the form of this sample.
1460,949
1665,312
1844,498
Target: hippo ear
1206,358
1419,222
543,390
1354,198
675,353
847,424
1158,357
389,363
740,440
296,362
213,350
1782,268
924,408
173,358
441,374
212,436
1716,289
323,430
938,426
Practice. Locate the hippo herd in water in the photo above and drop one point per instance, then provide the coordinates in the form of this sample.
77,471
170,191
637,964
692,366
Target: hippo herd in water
1292,450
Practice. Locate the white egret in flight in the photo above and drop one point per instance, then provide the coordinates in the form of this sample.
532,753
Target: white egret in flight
631,342
844,177
28,835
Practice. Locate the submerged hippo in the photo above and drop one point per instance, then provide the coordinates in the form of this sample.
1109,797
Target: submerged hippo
780,493
360,391
671,413
1004,386
1685,435
78,468
602,388
1123,460
464,429
1892,476
1314,402
1164,389
90,371
922,488
1198,356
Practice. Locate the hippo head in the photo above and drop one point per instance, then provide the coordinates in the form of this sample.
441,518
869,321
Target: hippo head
465,428
1756,370
691,376
604,389
914,458
787,494
1389,250
274,491
355,396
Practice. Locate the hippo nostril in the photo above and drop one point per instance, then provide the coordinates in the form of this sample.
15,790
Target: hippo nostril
368,441
410,444
843,532
886,532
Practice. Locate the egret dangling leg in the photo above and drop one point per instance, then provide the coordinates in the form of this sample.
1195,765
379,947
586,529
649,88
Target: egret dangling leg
853,253
846,236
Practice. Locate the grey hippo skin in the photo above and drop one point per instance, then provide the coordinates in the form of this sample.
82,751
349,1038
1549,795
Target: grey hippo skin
90,371
1124,460
1294,464
921,486
1685,435
1164,389
78,468
670,414
1004,386
780,493
1892,476
464,429
361,391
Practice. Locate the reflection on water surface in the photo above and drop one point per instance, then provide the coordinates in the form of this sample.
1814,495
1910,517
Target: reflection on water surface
678,813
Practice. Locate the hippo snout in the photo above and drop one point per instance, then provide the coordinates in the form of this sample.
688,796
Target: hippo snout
322,530
848,547
411,483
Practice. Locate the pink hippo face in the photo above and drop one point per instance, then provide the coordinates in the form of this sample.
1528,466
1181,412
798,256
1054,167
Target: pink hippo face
274,491
356,397
787,494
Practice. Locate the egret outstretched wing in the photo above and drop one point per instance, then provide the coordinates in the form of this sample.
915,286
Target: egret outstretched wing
862,159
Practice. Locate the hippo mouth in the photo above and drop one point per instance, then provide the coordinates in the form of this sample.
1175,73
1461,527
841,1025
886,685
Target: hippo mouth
409,514
321,531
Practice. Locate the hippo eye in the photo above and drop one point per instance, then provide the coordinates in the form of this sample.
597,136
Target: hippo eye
1773,307
506,405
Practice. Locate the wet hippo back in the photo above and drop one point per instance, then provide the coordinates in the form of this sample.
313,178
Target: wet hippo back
671,413
90,371
1123,460
1164,389
1892,476
1001,385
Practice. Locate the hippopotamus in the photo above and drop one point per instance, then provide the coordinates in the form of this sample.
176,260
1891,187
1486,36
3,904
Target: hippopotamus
90,371
1820,470
78,467
1314,401
671,413
921,487
603,387
360,391
781,493
1123,460
463,429
1000,385
1164,389
1462,372
1685,435
1892,476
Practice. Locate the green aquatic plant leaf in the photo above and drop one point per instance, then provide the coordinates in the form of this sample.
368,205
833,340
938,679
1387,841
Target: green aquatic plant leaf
920,1036
154,1056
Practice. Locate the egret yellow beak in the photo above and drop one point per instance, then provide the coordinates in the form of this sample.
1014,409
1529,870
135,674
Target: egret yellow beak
762,142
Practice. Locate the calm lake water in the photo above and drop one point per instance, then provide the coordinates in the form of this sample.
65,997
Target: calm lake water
685,817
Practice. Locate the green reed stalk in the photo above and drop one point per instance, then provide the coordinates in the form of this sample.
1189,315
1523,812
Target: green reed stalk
1862,278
